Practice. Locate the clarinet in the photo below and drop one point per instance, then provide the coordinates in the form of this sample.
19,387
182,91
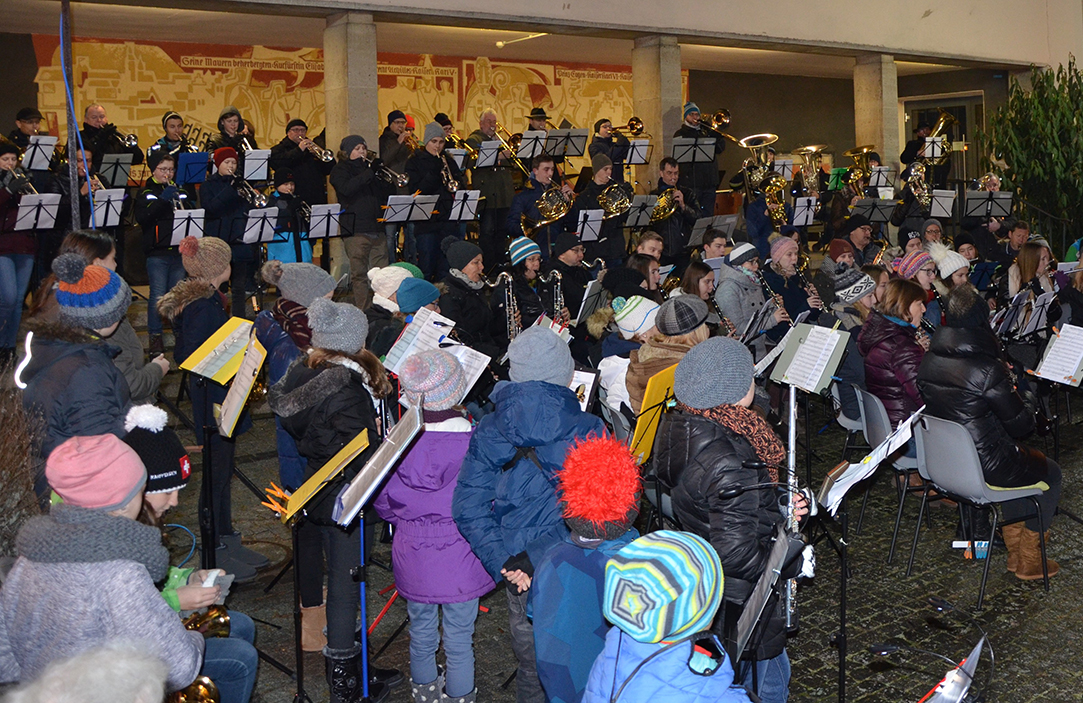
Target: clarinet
558,291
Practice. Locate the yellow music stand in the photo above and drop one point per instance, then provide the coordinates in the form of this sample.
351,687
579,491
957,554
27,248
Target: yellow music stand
655,402
321,478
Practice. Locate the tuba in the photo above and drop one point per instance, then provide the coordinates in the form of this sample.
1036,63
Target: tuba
666,205
860,170
552,205
774,192
213,623
811,157
756,167
944,122
616,200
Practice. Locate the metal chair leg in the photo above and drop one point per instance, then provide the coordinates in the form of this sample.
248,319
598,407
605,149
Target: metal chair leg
989,558
1041,543
917,530
898,521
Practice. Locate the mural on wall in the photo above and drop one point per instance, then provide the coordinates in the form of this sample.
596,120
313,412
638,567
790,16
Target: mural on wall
138,82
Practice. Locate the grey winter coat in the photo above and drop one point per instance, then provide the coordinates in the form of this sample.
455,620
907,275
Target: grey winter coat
740,298
143,378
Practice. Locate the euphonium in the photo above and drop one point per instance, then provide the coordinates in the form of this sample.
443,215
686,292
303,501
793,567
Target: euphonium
202,690
774,192
811,158
213,623
756,167
552,205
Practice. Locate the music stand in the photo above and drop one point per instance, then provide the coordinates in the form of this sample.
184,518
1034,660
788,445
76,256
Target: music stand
784,168
594,297
589,225
187,223
988,204
804,211
874,210
639,152
936,147
981,274
115,170
464,208
37,211
723,223
39,153
716,265
324,221
409,208
459,156
1039,315
557,142
107,206
192,168
882,177
837,181
573,144
532,144
488,153
639,215
1008,319
255,164
943,203
690,150
260,225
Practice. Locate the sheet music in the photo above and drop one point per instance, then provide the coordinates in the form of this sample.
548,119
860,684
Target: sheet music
638,151
323,218
590,225
235,343
716,265
488,153
37,211
425,331
783,167
255,164
882,177
459,155
39,153
1039,314
260,226
115,170
943,201
465,206
107,207
532,145
473,362
186,223
1063,357
241,387
593,298
804,211
765,362
811,359
583,383
664,272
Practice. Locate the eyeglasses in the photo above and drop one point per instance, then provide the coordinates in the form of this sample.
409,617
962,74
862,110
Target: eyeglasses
931,272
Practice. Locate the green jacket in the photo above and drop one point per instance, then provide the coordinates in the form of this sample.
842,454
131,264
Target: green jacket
174,580
495,182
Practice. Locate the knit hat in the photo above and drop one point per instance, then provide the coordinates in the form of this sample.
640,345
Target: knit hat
338,327
539,354
909,265
663,586
99,472
459,252
386,281
634,315
689,107
906,234
839,247
442,119
742,253
350,142
283,175
782,246
158,447
853,222
521,249
600,161
929,223
300,283
712,373
32,113
414,270
156,157
220,155
416,293
410,122
966,308
295,122
874,156
169,115
436,375
7,147
204,257
680,315
433,130
621,277
965,238
92,297
599,123
947,261
599,487
851,285
564,242
395,115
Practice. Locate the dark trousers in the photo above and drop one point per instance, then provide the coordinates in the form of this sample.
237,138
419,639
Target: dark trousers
528,687
242,276
222,451
343,596
493,236
1047,501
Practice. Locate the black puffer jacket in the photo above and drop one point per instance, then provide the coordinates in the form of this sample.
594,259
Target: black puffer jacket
963,379
309,173
695,459
361,194
472,315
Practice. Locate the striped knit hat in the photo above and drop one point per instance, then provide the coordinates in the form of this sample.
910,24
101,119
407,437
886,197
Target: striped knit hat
521,249
908,266
663,586
436,375
634,315
92,297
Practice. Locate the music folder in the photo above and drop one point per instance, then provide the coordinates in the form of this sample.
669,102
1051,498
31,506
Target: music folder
39,153
589,225
981,203
107,204
689,150
639,215
37,211
409,208
255,164
260,226
115,170
186,223
465,206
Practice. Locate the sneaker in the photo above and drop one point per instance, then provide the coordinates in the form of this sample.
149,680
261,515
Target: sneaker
242,573
232,544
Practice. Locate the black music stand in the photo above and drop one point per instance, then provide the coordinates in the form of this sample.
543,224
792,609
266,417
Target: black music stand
639,214
464,207
39,153
116,170
875,210
532,144
981,274
988,204
107,205
488,153
589,225
255,164
689,150
325,222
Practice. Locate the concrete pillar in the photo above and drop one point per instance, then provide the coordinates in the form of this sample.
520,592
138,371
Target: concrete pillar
657,96
876,106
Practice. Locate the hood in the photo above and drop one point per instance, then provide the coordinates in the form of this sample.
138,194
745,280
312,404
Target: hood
189,290
226,112
436,458
599,321
729,273
316,386
878,329
534,413
53,341
964,342
654,351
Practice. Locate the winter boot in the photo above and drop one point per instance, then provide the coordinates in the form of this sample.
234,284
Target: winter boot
313,622
242,573
243,554
378,675
1012,535
344,676
429,692
1029,566
468,698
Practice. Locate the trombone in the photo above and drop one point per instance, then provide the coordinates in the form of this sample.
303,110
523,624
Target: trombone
457,142
512,145
719,122
634,128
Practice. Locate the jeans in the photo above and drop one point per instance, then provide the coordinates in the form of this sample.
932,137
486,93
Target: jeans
1047,501
343,594
772,678
366,252
430,255
231,661
164,272
15,270
528,687
458,644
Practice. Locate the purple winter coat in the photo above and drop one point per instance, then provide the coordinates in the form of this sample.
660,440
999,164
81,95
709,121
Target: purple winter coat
433,562
892,356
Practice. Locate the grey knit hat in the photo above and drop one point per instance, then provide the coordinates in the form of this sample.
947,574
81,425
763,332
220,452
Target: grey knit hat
680,315
712,373
434,374
351,142
300,283
539,354
459,252
433,130
337,326
741,253
852,284
92,297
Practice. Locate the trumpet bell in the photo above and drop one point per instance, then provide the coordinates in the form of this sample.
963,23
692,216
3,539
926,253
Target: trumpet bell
213,623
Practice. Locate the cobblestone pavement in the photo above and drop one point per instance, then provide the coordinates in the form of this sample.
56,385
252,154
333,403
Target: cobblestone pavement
1035,634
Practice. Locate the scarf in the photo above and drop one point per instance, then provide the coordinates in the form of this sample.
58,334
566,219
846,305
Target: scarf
81,536
748,424
461,277
293,318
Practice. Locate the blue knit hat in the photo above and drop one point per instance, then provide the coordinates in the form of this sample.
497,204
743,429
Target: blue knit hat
663,586
522,248
690,107
416,293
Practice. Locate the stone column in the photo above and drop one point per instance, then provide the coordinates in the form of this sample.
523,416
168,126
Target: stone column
876,106
349,87
657,96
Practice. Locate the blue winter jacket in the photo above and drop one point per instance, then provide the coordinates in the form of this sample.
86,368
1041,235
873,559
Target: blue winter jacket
505,512
666,677
281,351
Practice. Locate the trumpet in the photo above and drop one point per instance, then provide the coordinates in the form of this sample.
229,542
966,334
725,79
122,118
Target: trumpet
324,155
95,183
25,187
179,198
128,140
511,145
250,194
450,182
458,142
392,177
412,141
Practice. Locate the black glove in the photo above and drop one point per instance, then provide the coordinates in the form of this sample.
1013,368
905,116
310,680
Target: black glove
377,164
17,182
109,129
169,193
792,566
520,562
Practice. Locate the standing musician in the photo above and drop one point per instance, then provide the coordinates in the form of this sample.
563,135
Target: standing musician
27,124
60,181
101,137
676,228
233,132
17,249
525,202
361,192
431,172
538,121
299,155
173,142
986,230
396,146
612,144
226,215
610,245
496,187
700,178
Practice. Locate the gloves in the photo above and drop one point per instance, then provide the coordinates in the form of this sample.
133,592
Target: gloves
791,568
520,562
169,193
376,164
17,182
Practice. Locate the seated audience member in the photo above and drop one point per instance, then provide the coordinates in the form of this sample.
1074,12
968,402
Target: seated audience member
892,348
412,295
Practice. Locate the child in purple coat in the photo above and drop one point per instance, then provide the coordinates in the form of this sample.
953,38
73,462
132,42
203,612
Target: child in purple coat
434,566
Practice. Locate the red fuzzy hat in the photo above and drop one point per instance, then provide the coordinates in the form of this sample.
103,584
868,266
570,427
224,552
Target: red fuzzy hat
599,488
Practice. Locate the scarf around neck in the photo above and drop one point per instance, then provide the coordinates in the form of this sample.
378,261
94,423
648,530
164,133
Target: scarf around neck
293,318
748,424
460,276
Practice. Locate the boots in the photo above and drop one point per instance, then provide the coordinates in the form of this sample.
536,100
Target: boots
344,677
468,698
1029,566
428,693
243,554
242,573
1012,534
313,622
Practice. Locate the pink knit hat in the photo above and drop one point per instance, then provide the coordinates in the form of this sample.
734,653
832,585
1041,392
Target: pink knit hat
781,246
908,266
100,472
435,374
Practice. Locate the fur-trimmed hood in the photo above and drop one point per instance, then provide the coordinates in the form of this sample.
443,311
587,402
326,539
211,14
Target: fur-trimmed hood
189,290
599,320
315,386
